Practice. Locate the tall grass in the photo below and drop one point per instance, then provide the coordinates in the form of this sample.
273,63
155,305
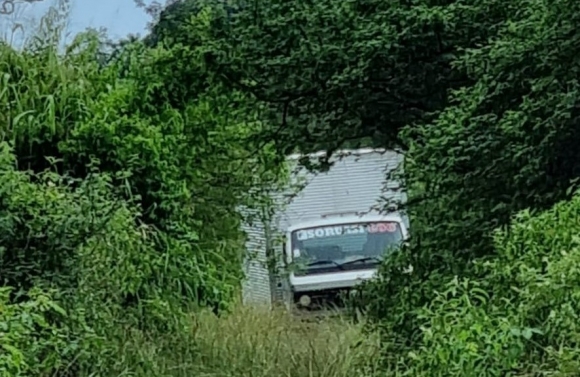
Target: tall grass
252,342
258,342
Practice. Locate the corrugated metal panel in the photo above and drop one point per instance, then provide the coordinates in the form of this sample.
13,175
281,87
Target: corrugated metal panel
256,286
355,183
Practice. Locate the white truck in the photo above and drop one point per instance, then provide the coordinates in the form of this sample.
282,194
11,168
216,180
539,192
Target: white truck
329,236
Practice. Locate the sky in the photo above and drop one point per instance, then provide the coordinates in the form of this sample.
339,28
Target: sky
119,17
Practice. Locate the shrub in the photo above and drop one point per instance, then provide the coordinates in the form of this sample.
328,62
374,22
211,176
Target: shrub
519,317
29,343
537,271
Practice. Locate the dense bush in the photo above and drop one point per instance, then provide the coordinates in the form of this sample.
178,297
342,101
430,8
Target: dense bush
120,184
170,148
506,143
519,317
30,344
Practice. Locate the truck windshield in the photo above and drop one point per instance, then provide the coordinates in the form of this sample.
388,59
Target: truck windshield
344,246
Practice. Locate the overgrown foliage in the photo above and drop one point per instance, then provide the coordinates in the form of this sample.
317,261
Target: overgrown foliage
121,176
170,146
507,143
337,73
483,98
246,342
518,316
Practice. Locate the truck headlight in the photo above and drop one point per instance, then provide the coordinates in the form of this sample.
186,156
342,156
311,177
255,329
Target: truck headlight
305,300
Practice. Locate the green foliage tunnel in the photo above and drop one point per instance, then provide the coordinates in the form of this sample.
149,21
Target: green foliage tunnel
122,174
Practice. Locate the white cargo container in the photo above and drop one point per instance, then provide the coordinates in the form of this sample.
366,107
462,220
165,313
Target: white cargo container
334,227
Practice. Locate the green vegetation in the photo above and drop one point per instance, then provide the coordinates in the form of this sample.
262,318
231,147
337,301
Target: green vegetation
122,171
248,342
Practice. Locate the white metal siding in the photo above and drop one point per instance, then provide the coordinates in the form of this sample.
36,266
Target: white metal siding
355,183
256,286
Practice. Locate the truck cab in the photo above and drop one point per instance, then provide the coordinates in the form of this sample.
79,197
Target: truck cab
330,256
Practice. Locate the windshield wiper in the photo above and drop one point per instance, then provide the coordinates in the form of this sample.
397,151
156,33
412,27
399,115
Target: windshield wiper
361,260
325,261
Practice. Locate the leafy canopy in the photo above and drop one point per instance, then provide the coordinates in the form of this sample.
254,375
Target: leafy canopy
482,96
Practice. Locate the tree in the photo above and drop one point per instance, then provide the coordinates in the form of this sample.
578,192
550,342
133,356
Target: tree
506,143
177,147
334,72
171,21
